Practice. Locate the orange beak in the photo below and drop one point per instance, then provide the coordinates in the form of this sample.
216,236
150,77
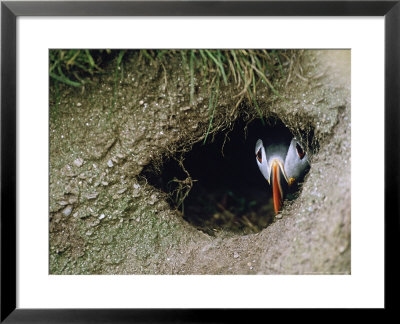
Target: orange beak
277,192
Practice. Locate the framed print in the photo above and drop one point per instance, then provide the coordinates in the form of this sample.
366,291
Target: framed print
165,155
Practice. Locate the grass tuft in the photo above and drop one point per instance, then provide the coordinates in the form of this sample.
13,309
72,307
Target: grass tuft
247,70
74,66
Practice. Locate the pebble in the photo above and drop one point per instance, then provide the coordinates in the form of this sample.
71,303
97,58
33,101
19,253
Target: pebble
73,200
110,164
152,199
92,196
67,211
136,186
102,216
95,223
279,216
78,162
235,255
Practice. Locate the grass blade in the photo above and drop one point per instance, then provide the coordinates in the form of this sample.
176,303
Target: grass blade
191,77
65,80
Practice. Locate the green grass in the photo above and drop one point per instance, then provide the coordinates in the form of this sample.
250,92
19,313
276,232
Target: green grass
212,103
116,76
74,66
246,70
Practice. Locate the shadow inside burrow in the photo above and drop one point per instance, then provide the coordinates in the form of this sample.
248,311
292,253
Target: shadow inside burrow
224,186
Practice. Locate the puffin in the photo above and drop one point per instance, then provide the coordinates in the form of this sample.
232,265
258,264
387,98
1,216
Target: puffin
283,165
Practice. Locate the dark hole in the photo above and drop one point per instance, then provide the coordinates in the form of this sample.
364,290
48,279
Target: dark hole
230,192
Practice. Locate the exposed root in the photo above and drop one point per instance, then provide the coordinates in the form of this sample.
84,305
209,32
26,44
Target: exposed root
184,186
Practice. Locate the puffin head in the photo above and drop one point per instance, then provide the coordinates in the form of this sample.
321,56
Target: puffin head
282,166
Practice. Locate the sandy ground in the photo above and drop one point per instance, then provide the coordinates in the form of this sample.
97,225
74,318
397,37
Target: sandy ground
105,218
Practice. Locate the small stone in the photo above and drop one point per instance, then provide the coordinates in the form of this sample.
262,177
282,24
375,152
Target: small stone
67,211
62,203
78,104
110,164
92,196
152,199
235,255
95,223
102,216
73,200
78,162
279,216
121,191
136,186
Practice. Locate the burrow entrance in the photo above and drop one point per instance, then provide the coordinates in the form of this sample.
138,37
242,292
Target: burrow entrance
218,185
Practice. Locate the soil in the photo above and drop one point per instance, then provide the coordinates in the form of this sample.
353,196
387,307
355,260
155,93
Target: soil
116,146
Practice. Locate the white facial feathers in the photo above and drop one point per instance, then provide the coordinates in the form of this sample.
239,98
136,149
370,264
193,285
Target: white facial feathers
261,159
296,161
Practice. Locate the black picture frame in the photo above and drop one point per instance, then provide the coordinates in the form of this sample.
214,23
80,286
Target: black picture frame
10,10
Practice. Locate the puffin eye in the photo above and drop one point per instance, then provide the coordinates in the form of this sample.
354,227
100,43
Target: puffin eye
300,151
259,156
